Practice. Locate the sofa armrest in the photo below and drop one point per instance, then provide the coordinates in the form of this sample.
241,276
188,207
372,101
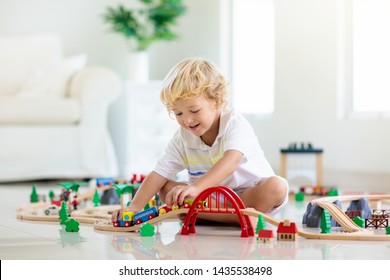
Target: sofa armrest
95,88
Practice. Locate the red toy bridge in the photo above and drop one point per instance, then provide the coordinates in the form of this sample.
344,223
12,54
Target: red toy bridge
217,200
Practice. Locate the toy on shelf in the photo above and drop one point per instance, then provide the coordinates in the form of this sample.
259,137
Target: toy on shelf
303,168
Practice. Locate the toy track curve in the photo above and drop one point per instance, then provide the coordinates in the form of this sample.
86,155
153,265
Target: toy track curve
87,216
350,198
359,235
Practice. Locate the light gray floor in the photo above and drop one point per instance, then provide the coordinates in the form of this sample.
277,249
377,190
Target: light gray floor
21,239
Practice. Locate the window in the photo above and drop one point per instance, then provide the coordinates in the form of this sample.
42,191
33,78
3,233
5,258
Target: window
370,57
252,56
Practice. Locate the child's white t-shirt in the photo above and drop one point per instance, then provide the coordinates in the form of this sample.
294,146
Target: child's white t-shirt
187,151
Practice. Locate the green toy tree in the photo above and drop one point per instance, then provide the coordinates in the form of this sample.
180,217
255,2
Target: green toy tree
333,192
72,226
147,229
74,186
34,195
359,221
51,195
260,223
299,196
64,213
122,189
325,222
96,199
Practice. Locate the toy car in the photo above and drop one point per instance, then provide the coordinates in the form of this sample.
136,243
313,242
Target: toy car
165,209
51,210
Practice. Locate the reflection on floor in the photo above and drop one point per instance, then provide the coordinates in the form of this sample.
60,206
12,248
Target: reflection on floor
21,239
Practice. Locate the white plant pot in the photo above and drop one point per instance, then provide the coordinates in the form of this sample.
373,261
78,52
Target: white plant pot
138,67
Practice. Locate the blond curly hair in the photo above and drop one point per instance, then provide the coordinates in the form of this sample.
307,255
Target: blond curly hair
194,77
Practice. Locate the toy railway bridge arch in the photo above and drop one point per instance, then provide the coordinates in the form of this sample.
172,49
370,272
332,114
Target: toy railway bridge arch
217,200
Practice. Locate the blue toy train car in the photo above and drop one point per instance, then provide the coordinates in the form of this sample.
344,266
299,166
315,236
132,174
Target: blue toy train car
129,219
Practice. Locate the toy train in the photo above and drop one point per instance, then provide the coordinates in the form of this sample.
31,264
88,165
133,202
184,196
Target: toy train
129,219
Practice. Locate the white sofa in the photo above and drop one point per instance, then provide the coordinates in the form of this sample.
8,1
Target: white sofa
53,112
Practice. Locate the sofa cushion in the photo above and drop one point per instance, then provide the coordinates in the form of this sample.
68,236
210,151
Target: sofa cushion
20,56
50,81
39,111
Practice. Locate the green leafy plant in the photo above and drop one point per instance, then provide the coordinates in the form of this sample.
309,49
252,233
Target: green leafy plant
146,23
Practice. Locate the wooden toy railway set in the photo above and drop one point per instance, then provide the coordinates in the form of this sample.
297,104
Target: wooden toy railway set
222,200
40,210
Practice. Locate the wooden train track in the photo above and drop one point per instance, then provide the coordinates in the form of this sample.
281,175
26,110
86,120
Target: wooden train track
88,216
101,219
340,216
342,198
355,234
53,218
366,235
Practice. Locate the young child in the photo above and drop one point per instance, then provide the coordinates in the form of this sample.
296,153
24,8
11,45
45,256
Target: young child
216,145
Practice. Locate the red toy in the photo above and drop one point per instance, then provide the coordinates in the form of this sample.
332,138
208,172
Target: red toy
205,199
287,231
265,235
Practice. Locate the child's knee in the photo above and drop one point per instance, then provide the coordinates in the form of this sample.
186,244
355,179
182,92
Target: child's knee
275,188
280,185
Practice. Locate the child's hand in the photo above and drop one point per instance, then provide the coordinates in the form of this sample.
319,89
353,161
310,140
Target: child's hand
119,212
178,194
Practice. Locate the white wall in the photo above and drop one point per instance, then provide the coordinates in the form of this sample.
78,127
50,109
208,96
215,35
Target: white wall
81,26
357,152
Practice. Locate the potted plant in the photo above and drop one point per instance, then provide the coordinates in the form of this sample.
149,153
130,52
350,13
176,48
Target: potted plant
144,24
